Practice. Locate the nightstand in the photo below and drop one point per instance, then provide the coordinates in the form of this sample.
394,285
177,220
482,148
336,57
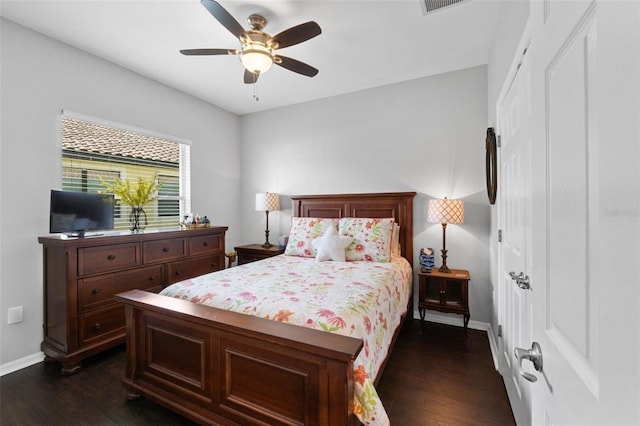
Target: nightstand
252,252
444,292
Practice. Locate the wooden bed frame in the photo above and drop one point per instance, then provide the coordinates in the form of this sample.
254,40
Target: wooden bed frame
219,367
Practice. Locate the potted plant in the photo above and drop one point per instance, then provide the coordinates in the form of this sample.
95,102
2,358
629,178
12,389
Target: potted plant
136,195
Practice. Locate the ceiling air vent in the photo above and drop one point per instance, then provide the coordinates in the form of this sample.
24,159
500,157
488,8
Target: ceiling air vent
430,6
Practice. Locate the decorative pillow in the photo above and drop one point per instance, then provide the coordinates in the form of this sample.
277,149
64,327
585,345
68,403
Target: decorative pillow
371,238
331,246
303,231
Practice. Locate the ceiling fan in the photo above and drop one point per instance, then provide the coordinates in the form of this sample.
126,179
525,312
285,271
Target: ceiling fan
257,47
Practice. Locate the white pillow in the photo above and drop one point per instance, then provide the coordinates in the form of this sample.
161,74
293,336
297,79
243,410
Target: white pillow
331,246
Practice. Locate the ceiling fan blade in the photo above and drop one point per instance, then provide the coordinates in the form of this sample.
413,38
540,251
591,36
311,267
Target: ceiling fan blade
249,77
297,34
224,17
295,66
208,52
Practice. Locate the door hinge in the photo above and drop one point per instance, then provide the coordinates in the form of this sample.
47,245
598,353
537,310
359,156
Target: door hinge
499,235
499,330
499,141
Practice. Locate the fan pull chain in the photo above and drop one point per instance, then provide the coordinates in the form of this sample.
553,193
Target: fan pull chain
255,87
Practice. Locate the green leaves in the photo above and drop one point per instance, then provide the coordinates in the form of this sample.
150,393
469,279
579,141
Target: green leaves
134,194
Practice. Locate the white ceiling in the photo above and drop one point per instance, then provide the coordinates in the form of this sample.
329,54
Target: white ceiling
364,43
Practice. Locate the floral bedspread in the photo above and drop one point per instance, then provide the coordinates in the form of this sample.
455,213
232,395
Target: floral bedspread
358,299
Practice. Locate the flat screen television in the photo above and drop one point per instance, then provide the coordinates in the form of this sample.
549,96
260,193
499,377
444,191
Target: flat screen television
74,213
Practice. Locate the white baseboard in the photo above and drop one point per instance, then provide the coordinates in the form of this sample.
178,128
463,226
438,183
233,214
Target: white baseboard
451,319
493,344
21,363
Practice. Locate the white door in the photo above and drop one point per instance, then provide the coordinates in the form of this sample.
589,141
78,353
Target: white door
585,212
514,128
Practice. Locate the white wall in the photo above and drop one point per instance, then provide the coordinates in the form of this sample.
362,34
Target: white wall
425,135
40,77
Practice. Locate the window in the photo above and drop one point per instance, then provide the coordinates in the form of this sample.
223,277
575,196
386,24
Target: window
94,151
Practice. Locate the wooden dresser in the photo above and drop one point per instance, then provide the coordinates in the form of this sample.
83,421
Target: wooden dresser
81,276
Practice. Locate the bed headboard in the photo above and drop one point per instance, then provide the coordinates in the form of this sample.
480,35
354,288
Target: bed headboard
398,205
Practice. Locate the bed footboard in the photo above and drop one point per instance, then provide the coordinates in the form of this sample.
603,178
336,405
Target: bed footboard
220,367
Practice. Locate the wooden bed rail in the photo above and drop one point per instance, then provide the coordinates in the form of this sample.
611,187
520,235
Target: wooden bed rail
219,367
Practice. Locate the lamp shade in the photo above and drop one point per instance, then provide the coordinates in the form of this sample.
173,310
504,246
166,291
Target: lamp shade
445,211
267,201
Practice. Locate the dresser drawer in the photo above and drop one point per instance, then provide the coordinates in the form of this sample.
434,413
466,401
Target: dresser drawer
163,250
189,268
94,260
99,290
205,244
98,323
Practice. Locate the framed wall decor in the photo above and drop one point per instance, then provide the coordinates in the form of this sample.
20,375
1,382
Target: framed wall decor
491,165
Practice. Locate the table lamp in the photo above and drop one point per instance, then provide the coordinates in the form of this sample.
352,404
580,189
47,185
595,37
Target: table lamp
445,211
268,201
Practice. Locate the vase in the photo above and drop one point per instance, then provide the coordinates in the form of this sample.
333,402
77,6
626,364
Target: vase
136,218
426,259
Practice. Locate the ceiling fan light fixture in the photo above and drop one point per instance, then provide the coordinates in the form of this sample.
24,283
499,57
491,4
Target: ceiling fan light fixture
257,47
256,58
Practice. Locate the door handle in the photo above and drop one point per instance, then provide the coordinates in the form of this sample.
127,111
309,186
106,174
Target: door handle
534,355
516,277
522,280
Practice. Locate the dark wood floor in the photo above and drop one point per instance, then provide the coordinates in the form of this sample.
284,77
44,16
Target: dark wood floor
437,375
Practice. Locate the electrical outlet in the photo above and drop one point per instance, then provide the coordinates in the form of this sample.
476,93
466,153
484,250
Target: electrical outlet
15,315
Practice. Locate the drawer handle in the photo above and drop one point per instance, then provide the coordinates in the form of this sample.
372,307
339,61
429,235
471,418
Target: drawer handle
178,272
164,249
214,264
96,291
152,278
97,326
111,257
205,244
